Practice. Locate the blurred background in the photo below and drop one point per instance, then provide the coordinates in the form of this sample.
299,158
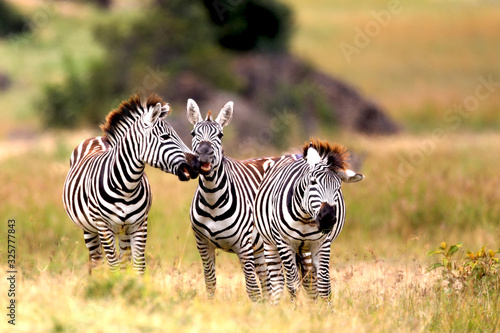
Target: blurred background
412,88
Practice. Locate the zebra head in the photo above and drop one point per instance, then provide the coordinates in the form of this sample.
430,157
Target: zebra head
325,172
207,135
162,148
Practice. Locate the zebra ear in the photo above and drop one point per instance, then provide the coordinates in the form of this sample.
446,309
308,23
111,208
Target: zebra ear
225,115
349,176
312,156
152,114
165,110
193,112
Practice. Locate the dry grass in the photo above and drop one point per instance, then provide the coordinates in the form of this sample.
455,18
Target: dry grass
377,267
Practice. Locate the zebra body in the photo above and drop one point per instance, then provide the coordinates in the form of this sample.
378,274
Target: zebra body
221,211
107,193
299,210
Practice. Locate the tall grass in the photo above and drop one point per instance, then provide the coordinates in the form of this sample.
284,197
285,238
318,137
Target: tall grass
378,262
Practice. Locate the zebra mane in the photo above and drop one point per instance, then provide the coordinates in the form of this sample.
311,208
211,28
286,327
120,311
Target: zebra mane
334,155
122,118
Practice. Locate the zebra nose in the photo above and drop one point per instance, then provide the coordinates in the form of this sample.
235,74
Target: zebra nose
204,150
327,217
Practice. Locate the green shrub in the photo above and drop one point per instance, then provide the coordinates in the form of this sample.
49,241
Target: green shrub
251,25
477,271
11,21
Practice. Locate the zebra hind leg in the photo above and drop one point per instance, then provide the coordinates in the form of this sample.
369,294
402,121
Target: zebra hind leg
107,238
138,247
93,244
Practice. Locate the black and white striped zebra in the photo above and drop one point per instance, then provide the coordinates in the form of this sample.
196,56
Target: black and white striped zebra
299,210
221,211
107,193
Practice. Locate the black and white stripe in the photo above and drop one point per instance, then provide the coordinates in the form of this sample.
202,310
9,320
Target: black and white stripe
299,210
107,193
221,211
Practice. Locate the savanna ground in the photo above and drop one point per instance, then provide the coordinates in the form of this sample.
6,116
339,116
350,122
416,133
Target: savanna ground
435,182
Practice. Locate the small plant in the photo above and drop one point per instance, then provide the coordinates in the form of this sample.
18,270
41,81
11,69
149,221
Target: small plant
480,271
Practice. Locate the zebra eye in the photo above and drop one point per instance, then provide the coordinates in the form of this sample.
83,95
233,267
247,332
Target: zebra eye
220,135
165,137
313,181
192,133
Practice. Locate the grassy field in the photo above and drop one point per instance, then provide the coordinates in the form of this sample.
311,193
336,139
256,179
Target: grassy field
436,182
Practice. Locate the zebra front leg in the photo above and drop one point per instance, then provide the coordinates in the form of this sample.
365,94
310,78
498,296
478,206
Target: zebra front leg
322,262
275,279
93,244
261,270
207,254
138,247
247,261
308,274
288,257
125,249
107,238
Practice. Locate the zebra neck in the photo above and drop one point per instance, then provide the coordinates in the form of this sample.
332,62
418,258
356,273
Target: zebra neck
126,170
214,186
295,199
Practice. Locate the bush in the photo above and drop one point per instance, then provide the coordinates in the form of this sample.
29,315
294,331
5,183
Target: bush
11,21
251,25
144,55
478,272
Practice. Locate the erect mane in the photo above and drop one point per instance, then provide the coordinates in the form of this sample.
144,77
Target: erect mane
334,155
121,118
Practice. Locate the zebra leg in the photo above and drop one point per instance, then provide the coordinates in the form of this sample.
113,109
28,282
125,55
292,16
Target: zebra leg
322,262
94,246
107,238
308,274
138,247
261,270
288,258
275,279
247,261
207,254
125,248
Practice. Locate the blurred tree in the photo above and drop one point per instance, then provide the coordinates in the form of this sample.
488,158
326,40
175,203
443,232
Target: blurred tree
145,55
262,25
11,21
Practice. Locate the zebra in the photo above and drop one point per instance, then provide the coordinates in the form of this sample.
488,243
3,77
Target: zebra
299,210
221,210
107,193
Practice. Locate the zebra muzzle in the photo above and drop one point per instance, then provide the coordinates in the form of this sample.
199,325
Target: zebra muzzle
205,167
327,217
